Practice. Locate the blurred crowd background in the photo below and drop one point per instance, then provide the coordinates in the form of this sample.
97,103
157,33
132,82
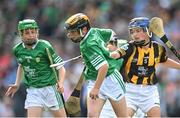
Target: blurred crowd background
114,14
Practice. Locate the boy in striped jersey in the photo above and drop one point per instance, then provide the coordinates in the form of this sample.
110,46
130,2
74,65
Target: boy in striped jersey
104,80
34,69
141,57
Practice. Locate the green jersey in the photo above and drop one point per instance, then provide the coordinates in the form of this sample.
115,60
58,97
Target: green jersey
36,64
94,52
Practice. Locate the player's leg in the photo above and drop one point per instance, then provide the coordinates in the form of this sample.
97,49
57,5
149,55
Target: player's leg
150,103
107,110
132,97
59,113
114,89
130,111
154,112
34,112
120,107
54,102
33,103
94,107
139,114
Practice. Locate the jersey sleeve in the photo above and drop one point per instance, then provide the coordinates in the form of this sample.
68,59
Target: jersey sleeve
14,51
107,34
126,50
163,55
95,57
55,57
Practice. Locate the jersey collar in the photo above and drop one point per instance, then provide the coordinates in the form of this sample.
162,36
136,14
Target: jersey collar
32,46
86,35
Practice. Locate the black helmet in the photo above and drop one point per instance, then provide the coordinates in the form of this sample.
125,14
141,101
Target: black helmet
77,21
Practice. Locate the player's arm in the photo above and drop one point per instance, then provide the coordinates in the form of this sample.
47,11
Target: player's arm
19,75
13,88
98,61
167,62
124,51
102,72
171,64
101,75
62,72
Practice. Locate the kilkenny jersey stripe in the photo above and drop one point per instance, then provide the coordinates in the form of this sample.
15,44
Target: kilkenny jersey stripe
140,56
128,64
144,82
151,55
151,78
141,64
156,53
134,79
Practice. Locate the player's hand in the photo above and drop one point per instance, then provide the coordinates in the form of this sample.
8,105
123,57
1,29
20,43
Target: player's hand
94,93
115,54
60,87
12,90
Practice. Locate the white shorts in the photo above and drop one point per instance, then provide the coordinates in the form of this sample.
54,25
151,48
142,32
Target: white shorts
112,87
144,97
46,97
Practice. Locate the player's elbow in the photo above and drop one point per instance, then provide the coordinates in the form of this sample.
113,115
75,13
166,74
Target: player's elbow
63,69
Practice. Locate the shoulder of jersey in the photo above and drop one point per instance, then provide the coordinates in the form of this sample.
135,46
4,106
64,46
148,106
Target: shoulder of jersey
17,45
44,42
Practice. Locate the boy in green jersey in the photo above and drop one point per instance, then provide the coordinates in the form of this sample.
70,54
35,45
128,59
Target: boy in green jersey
33,56
104,80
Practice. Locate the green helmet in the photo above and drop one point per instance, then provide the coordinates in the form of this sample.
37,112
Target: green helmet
27,24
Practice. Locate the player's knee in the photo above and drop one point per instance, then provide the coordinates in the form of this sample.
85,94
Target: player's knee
93,113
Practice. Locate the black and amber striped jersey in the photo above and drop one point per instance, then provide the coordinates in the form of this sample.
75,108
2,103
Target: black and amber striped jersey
140,64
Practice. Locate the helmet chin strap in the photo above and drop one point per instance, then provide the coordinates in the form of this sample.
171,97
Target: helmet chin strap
81,34
142,43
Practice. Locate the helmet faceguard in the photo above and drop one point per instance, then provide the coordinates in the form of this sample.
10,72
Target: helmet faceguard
76,23
27,24
140,22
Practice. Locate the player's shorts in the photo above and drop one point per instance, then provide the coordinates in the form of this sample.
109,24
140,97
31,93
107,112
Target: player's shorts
112,87
144,97
46,97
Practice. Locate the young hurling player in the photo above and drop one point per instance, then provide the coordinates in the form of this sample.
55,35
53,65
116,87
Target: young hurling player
104,80
34,69
141,57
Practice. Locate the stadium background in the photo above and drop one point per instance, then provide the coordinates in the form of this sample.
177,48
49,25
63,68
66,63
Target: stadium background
115,14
